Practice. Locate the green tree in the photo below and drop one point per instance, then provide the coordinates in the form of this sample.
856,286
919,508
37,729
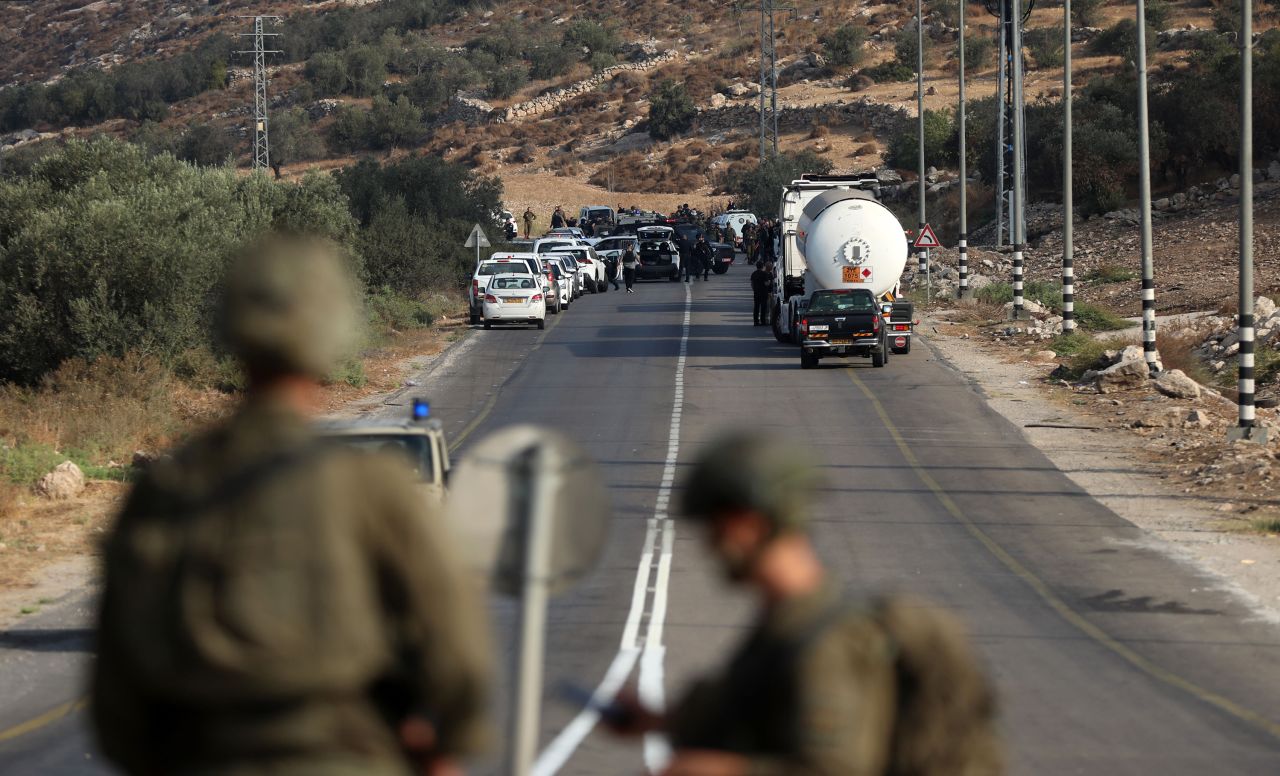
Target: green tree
506,81
550,60
591,37
366,69
205,145
1086,13
350,130
327,73
293,139
671,110
1046,46
939,142
106,249
394,124
843,45
760,189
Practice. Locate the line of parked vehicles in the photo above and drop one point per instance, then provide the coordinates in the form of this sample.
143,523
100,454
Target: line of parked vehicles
544,276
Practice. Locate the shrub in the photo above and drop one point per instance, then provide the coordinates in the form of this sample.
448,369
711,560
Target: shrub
1157,13
1087,13
1094,318
327,73
905,47
600,60
394,124
293,139
591,36
205,145
506,81
550,60
1121,39
843,45
671,110
978,52
904,145
1109,273
891,70
1046,46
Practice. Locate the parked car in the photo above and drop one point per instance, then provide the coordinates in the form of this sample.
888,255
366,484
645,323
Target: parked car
658,259
590,266
601,218
515,299
420,438
563,282
616,243
536,267
484,273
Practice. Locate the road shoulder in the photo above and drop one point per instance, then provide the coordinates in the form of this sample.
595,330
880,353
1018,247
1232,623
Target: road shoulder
1127,473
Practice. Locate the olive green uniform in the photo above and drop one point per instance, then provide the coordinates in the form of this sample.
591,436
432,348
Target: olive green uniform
812,691
273,605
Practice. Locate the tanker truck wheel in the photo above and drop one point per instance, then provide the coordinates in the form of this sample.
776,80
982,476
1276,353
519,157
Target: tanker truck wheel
777,331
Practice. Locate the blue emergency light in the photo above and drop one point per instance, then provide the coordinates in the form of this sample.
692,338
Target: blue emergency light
421,409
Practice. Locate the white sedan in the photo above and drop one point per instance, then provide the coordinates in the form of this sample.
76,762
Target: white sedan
514,299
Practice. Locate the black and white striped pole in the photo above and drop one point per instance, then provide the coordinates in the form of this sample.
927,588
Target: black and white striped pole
1245,429
1068,196
964,293
1149,353
1019,227
921,253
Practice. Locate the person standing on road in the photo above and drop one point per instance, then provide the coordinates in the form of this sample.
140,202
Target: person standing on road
529,217
820,686
703,256
273,604
612,271
761,286
630,260
557,217
687,260
730,236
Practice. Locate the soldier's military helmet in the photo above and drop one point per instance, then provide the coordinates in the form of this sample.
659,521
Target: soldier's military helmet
290,307
748,470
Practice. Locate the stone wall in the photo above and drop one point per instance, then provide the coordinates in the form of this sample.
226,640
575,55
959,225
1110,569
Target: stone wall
551,101
879,118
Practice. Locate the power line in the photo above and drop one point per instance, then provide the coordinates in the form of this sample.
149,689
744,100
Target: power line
261,139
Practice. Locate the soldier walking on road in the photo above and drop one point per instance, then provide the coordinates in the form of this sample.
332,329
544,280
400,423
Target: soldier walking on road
630,259
529,218
277,605
820,686
761,286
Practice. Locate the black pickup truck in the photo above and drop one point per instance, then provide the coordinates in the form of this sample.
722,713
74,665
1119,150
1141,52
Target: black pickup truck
843,322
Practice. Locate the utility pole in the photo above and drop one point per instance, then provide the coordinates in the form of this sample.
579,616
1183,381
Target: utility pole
1019,192
768,81
1010,65
1245,428
921,253
1068,196
964,176
1144,189
261,141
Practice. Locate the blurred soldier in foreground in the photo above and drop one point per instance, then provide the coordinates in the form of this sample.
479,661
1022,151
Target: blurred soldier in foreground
277,606
821,686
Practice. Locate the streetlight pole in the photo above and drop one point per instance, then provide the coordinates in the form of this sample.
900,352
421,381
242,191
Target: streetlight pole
964,176
1144,189
1245,428
1068,196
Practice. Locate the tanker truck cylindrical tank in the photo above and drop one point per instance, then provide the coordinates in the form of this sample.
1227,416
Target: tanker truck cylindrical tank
849,240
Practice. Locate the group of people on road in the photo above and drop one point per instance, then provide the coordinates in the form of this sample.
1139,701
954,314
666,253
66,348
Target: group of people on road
276,605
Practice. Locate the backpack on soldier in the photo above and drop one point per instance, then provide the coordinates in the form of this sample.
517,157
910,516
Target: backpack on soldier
945,720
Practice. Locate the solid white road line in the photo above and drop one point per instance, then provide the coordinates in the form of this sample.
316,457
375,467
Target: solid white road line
641,636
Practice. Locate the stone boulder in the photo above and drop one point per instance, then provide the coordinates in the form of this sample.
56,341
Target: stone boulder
1126,374
1176,385
718,101
64,482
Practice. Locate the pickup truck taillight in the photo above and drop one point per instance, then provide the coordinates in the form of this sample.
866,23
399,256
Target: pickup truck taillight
875,323
804,326
491,299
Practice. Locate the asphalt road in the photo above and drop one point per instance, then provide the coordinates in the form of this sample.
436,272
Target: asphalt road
1110,657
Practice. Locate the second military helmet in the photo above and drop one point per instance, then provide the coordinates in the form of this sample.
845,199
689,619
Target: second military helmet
749,470
290,307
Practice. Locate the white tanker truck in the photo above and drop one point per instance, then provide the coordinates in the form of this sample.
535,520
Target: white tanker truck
836,234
